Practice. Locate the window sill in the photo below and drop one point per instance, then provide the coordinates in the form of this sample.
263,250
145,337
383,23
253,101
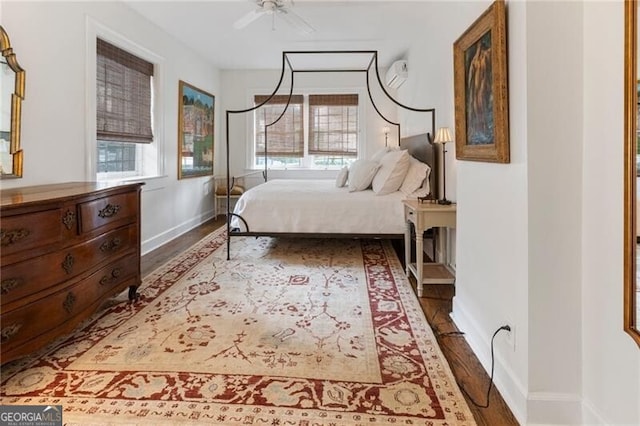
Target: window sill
151,183
297,169
300,174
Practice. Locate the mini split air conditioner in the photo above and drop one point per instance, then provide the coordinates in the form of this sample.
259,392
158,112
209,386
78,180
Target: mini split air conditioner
396,74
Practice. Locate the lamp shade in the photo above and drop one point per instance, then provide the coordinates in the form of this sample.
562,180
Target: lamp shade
443,135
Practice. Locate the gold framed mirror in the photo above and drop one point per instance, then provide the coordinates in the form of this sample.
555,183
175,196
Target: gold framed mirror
631,112
12,92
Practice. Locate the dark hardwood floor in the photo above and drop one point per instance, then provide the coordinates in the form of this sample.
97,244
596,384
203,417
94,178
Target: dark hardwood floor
436,304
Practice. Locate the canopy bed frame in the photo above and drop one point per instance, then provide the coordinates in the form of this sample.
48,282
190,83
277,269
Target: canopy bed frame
420,147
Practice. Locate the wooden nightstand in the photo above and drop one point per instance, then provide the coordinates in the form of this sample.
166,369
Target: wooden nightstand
425,216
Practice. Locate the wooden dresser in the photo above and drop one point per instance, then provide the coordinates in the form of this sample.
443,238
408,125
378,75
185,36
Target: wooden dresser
65,249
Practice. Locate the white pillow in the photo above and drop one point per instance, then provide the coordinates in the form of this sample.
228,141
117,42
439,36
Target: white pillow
393,168
341,179
379,154
423,191
416,175
361,174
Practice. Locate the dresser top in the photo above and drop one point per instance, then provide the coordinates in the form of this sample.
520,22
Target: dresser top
35,194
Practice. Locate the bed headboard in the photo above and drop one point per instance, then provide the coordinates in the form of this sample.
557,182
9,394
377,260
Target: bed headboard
421,147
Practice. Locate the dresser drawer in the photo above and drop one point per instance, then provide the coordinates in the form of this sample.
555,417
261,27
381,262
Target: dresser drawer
111,210
25,323
26,278
28,231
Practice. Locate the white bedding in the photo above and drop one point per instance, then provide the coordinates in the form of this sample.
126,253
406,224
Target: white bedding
317,206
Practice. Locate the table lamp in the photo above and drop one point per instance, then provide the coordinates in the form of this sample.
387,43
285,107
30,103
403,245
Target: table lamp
443,136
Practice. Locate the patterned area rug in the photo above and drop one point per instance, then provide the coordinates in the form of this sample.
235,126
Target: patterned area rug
288,332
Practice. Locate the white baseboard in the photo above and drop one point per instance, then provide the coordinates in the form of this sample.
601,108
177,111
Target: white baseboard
159,240
590,415
511,389
546,408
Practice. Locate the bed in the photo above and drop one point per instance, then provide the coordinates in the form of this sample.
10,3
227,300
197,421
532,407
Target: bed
317,208
295,207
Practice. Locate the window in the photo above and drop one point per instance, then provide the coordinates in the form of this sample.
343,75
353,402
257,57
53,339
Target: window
286,137
124,105
116,157
333,128
316,131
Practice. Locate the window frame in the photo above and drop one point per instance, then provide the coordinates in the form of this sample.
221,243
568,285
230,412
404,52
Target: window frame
306,163
155,150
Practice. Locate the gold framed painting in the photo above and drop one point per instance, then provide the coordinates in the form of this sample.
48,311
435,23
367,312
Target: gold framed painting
480,86
195,131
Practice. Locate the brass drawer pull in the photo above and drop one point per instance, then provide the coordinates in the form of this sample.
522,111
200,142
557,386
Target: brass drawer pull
13,236
111,245
109,211
68,262
9,284
69,219
9,331
108,280
68,303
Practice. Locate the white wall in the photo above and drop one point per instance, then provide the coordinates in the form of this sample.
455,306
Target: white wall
610,358
49,39
554,149
239,87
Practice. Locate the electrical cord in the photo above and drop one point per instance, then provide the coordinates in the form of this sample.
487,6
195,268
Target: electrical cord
486,405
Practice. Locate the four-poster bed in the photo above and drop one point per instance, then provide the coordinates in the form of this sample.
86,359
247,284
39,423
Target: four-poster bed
319,208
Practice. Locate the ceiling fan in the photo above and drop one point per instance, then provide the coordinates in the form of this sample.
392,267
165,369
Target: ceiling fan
282,8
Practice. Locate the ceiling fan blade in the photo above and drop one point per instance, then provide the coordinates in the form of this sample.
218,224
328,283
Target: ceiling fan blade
248,18
296,21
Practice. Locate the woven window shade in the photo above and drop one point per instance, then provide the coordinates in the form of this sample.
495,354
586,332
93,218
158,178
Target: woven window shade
123,95
286,137
333,124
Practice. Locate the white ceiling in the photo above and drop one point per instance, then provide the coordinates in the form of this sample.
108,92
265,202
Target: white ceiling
207,27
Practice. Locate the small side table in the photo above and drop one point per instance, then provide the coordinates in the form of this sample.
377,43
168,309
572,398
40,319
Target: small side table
425,216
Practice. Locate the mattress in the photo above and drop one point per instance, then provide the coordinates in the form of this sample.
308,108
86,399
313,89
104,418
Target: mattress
318,207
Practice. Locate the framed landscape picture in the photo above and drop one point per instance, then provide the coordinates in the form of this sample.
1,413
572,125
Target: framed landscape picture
195,131
480,86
